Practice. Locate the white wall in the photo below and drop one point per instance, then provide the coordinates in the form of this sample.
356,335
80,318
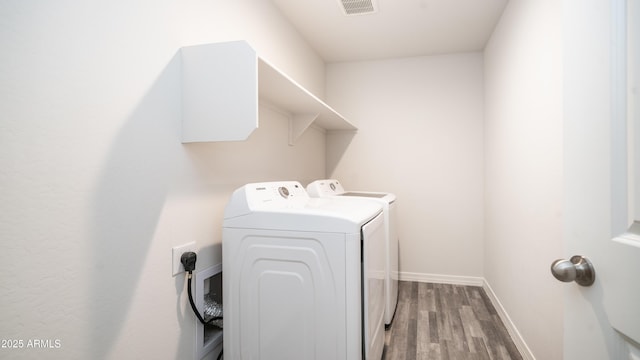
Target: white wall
420,137
96,187
524,170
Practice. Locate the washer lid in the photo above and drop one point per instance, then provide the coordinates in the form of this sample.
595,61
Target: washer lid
333,188
364,194
285,205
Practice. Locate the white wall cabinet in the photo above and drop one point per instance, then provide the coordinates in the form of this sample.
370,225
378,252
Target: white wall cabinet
223,85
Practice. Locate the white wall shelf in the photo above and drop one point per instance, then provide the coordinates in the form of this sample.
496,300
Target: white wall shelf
223,85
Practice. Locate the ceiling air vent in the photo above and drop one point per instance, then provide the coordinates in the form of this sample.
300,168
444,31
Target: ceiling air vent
358,7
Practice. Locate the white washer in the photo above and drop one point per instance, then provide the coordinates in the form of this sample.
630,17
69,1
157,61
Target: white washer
332,188
303,278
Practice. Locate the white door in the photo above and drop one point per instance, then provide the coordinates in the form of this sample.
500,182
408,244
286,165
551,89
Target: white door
602,210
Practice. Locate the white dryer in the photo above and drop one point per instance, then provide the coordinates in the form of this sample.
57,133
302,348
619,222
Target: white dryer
332,188
303,278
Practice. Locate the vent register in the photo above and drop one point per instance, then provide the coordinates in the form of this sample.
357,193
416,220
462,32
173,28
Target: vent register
358,7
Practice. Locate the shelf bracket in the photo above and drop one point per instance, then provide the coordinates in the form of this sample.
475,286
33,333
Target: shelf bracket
298,124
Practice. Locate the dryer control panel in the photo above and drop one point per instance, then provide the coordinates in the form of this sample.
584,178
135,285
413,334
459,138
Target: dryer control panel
259,193
267,195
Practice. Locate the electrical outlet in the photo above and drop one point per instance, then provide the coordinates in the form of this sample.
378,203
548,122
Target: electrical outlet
176,253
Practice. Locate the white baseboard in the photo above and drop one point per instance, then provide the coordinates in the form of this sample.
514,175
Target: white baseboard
506,320
476,281
442,279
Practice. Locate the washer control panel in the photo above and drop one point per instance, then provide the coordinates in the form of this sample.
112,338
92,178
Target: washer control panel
323,188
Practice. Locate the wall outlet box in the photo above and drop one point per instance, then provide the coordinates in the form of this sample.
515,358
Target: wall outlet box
176,253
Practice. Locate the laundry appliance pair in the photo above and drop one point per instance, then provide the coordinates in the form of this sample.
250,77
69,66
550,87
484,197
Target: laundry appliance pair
303,277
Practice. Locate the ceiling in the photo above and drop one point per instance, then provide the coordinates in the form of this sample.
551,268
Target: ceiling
398,28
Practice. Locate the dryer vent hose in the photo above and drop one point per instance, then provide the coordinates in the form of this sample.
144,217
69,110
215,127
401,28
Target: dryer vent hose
212,310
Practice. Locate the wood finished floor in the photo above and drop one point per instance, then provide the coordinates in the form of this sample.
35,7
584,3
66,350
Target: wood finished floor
446,322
